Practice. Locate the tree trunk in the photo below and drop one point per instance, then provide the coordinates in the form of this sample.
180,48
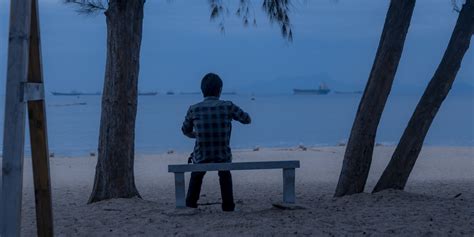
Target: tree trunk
358,155
398,170
114,176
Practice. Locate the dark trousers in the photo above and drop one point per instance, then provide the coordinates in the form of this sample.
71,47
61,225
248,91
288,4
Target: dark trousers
225,181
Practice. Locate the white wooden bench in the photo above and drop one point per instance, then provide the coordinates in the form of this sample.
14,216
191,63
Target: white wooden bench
287,166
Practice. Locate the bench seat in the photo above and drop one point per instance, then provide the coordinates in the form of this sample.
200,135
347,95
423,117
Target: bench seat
288,168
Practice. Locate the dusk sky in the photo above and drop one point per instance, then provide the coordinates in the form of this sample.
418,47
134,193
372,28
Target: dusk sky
334,41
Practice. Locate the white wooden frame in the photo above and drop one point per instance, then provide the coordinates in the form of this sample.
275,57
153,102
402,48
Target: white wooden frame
24,89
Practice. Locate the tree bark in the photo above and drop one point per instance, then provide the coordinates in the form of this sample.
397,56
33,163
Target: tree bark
398,170
358,155
114,176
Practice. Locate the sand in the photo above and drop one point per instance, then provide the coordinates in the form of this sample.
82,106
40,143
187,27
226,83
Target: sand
438,200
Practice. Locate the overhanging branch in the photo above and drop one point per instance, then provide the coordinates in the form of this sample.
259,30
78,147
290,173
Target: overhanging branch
276,10
88,7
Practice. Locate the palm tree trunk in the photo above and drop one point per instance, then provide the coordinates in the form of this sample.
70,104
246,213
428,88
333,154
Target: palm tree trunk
114,176
358,155
398,170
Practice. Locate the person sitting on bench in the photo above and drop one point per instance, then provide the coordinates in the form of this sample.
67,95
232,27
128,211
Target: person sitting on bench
209,122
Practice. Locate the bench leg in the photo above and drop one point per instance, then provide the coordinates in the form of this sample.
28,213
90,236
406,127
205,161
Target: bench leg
289,185
179,190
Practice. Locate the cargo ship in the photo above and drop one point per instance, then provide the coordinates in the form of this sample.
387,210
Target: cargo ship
77,93
322,90
229,93
73,93
151,93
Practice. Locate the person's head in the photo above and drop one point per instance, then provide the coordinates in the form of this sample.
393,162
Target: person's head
211,85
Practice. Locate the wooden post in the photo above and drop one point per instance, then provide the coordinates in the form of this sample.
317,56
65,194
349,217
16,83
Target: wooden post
24,84
38,131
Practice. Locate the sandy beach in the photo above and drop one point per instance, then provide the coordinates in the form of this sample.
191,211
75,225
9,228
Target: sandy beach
438,200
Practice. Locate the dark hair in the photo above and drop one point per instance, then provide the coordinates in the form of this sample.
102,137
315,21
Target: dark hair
211,85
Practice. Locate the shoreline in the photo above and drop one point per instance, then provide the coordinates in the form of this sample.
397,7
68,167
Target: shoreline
258,149
438,199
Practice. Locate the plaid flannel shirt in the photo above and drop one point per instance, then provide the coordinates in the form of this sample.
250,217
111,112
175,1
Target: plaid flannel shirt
209,122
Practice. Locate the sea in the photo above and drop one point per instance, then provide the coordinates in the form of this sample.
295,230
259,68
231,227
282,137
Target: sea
277,121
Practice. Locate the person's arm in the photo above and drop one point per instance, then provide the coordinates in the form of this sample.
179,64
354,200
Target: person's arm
239,115
188,125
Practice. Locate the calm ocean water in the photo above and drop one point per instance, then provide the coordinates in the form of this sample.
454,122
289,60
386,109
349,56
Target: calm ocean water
278,121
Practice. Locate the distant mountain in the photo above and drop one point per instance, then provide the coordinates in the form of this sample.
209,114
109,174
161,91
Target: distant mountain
459,88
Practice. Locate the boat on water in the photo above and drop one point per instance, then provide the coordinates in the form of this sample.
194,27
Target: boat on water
199,93
322,90
170,93
77,93
151,93
229,93
190,93
73,93
70,104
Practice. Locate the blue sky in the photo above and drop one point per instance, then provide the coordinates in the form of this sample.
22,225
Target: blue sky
334,41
